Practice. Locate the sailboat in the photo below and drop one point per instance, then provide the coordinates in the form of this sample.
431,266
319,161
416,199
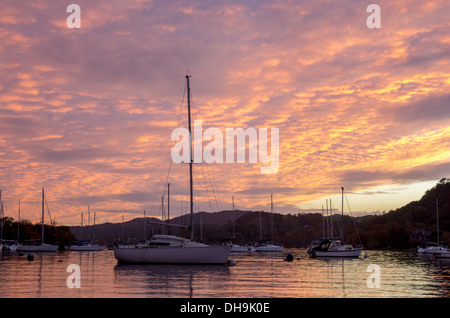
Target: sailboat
39,247
170,249
86,245
334,247
236,248
263,245
433,249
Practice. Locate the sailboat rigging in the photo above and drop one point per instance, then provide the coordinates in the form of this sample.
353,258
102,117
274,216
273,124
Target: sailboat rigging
334,246
170,249
39,247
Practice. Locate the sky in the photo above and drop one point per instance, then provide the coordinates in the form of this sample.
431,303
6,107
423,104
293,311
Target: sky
87,113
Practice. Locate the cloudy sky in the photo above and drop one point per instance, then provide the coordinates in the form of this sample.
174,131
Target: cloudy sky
88,113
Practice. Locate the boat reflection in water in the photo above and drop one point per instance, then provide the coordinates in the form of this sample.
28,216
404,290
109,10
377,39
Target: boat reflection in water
171,281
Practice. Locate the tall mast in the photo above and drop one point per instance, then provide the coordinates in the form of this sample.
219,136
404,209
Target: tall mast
18,224
163,228
342,222
331,220
328,226
145,227
1,216
43,198
190,157
437,217
79,239
168,202
271,215
323,223
234,209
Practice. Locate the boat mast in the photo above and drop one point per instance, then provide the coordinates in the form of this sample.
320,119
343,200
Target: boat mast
331,221
328,225
234,209
323,223
271,215
18,224
190,157
168,203
342,222
437,217
1,217
81,227
43,198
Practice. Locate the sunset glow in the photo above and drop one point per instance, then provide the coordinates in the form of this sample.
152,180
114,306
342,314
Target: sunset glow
88,113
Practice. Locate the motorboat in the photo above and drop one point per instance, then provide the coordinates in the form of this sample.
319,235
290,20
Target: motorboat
333,248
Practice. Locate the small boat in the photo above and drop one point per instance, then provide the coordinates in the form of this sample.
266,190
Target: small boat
9,245
86,246
433,248
238,248
333,248
263,245
429,250
445,253
39,247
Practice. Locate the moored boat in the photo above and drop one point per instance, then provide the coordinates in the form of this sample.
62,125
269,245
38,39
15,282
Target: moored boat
39,247
169,249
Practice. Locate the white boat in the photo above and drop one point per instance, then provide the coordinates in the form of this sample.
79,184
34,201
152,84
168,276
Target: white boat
429,250
86,246
169,249
332,246
264,247
435,248
9,245
238,248
39,247
445,253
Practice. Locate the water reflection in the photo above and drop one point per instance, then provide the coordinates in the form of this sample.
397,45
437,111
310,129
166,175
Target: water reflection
255,275
171,280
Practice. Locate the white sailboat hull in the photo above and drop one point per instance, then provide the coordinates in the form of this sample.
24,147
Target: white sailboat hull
431,250
269,248
338,253
442,254
239,248
173,255
37,248
87,248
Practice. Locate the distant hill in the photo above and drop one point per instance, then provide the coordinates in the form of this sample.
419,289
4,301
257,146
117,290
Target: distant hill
390,230
396,229
140,228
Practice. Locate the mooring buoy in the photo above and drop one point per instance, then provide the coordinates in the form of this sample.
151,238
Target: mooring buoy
289,257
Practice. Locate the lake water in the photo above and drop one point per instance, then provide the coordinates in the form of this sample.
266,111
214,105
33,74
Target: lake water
401,274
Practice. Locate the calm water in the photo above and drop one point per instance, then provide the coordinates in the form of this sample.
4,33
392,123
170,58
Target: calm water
402,274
